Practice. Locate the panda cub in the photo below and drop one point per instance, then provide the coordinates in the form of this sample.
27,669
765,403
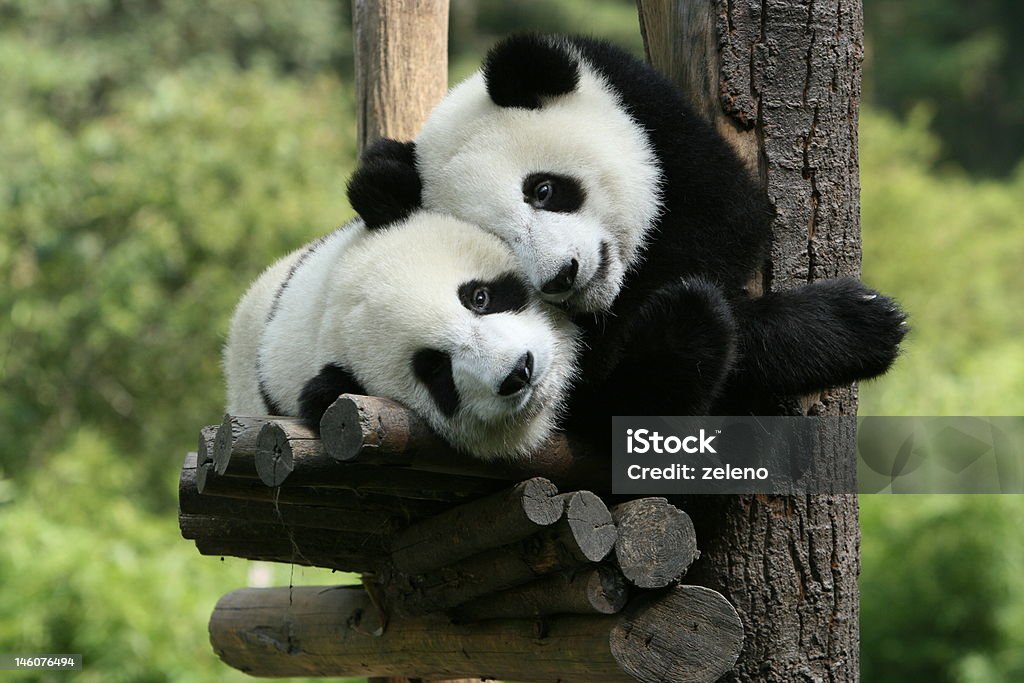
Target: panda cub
631,211
423,309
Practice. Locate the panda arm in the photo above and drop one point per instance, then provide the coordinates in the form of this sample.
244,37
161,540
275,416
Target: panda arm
823,334
675,350
321,391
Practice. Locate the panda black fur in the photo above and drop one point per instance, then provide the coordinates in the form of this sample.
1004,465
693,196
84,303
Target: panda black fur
428,311
630,209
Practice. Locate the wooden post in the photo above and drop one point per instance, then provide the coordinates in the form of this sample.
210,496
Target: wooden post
401,65
401,60
781,79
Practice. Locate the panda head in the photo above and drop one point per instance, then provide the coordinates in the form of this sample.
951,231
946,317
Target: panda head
537,148
435,315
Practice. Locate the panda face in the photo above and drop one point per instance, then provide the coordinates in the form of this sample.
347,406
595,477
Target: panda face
432,313
572,186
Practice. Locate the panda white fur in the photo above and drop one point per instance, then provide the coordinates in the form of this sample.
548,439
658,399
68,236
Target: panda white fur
428,311
634,213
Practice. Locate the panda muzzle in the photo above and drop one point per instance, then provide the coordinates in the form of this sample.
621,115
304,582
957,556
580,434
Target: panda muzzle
520,376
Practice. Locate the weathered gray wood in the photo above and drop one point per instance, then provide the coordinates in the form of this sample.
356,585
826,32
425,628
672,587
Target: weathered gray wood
284,445
346,550
235,445
284,552
401,64
687,634
244,488
366,519
493,521
586,533
204,450
373,430
656,542
288,453
598,589
788,82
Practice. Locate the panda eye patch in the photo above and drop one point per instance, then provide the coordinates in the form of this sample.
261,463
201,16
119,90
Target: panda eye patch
434,369
502,295
553,192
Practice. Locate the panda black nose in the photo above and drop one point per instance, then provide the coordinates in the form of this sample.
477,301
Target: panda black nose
519,377
562,282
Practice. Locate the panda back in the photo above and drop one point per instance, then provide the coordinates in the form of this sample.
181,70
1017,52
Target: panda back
241,351
291,348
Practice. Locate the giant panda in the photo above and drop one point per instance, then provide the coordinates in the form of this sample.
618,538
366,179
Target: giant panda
421,308
631,211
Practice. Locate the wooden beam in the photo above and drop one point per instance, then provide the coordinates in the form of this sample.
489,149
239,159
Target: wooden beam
499,519
687,634
373,430
585,534
597,589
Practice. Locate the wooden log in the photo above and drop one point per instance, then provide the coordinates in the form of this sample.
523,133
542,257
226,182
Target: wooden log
278,550
241,488
373,430
687,634
204,450
656,542
586,533
371,519
401,65
235,445
288,453
284,444
350,551
213,528
598,589
468,529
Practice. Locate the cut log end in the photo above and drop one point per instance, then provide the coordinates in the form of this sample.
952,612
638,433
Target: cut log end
656,542
591,524
274,460
688,635
342,429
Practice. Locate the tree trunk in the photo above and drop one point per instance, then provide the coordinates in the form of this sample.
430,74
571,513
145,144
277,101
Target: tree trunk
781,80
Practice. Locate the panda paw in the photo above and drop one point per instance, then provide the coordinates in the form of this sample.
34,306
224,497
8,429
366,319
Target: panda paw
824,334
868,326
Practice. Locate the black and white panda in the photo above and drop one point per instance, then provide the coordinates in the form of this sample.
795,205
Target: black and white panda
426,310
630,210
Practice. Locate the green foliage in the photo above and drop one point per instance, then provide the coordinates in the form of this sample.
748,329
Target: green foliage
128,241
73,57
942,589
942,580
949,248
85,571
960,58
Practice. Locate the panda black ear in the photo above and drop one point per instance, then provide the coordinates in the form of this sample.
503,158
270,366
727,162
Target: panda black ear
386,187
523,68
386,148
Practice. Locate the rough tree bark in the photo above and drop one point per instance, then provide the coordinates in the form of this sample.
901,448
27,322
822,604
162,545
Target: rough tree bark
781,79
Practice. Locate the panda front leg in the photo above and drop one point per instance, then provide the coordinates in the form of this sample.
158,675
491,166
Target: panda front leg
677,348
821,335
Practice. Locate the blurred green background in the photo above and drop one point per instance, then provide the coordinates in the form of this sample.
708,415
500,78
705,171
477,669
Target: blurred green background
155,156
